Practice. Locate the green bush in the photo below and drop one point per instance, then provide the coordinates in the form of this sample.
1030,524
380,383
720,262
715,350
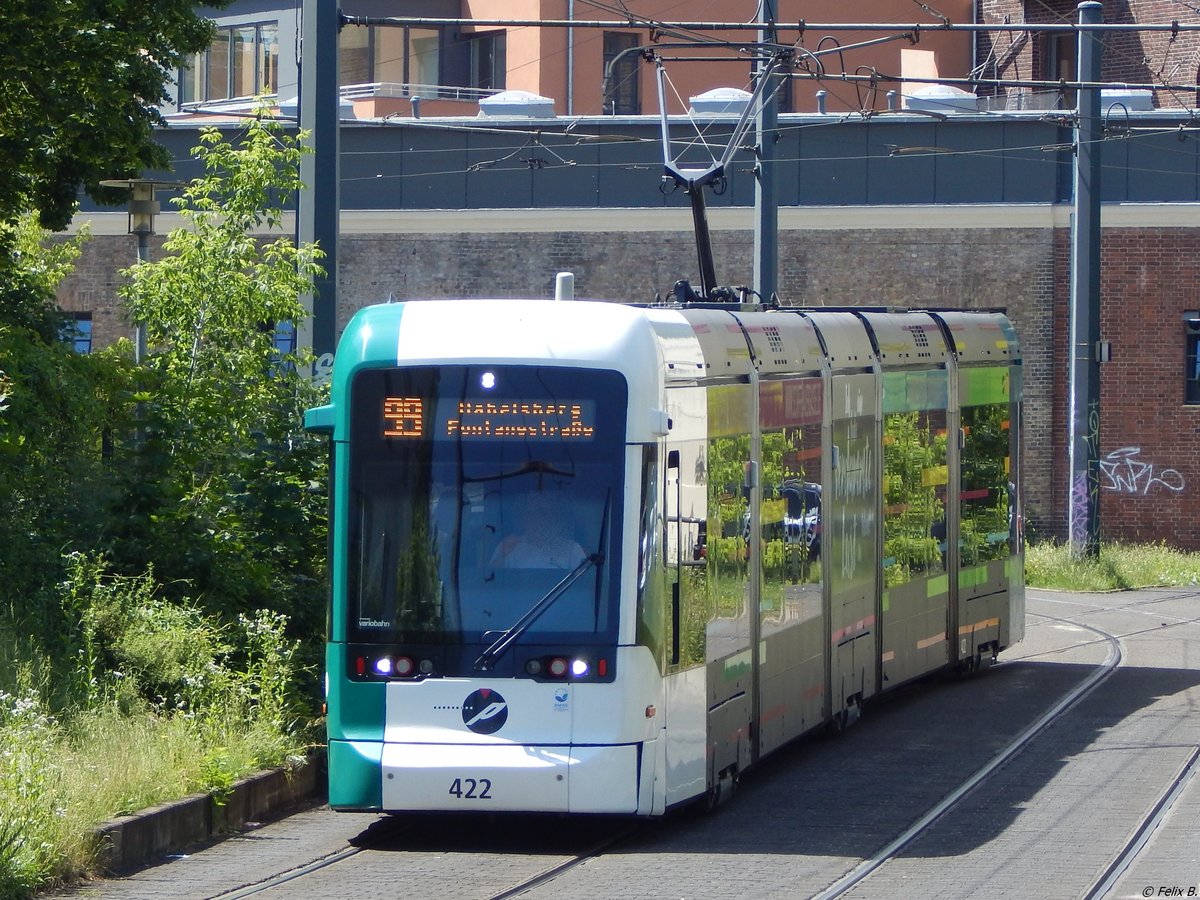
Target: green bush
161,577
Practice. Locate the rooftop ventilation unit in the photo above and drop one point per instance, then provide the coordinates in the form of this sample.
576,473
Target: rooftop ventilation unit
941,98
516,104
720,101
1132,99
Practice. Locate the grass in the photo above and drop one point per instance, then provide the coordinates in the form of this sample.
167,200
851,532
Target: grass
132,702
1118,567
58,781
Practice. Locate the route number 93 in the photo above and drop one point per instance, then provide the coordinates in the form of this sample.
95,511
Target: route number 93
471,788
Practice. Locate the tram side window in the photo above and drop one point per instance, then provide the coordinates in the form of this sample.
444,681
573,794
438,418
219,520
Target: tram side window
987,492
1191,375
652,621
790,516
727,556
914,506
689,553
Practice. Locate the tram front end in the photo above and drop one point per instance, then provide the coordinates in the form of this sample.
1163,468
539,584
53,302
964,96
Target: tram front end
482,532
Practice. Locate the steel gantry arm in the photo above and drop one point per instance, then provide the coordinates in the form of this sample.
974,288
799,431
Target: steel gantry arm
694,180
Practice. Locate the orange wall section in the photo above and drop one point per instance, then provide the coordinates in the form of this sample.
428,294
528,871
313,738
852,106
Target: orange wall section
537,58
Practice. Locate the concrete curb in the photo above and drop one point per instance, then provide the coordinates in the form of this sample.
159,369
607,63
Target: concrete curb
134,841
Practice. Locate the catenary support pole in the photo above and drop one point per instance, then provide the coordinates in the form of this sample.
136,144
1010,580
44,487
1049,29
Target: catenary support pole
319,201
766,210
1083,503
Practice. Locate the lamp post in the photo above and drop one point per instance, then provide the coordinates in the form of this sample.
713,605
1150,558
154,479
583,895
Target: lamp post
143,207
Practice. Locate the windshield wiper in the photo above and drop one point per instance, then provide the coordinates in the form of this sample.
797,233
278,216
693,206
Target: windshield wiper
539,466
488,658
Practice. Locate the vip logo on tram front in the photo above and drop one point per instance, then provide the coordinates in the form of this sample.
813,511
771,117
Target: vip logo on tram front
485,711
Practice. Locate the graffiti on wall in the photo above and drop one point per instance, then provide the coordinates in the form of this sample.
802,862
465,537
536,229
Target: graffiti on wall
1085,482
1124,471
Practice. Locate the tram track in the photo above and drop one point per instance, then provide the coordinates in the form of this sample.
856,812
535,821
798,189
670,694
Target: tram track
1142,831
283,878
280,881
553,872
1120,865
1141,835
1069,701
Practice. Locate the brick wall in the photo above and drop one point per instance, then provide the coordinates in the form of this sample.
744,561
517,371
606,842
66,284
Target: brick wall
1147,284
1133,57
1149,439
92,287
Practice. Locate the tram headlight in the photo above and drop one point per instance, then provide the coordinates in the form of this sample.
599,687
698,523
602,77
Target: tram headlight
557,667
403,666
579,667
383,665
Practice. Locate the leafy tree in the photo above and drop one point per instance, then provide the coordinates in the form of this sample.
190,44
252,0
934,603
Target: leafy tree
58,407
226,489
82,84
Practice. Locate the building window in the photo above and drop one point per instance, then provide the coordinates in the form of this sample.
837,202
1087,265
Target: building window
781,85
1059,52
486,61
77,331
1191,357
284,338
242,61
622,94
784,95
385,54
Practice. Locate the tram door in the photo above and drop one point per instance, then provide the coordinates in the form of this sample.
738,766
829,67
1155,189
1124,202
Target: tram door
792,658
685,545
727,565
851,532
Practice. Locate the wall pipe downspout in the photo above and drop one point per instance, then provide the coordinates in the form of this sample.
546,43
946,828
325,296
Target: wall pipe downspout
570,59
975,39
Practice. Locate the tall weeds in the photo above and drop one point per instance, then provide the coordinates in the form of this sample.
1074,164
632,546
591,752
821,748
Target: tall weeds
153,700
1117,567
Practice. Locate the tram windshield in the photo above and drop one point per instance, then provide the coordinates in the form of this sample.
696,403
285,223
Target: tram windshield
474,491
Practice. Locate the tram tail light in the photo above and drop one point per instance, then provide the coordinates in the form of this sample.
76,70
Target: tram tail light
566,667
389,666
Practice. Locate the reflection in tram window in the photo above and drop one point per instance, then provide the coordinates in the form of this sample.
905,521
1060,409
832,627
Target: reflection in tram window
790,522
987,493
914,506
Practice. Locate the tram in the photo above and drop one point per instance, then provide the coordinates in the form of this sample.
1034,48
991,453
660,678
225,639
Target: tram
595,558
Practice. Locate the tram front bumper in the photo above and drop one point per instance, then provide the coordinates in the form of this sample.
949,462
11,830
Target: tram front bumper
511,778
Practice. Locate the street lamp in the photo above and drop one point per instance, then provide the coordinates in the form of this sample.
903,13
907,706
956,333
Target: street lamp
142,210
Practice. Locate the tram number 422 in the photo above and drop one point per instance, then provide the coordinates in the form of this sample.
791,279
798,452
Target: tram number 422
471,789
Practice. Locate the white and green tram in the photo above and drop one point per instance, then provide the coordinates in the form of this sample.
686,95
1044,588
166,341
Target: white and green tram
750,522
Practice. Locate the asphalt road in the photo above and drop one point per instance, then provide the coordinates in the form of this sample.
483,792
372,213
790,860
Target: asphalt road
1099,803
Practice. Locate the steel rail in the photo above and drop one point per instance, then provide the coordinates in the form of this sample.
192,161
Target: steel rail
275,881
555,871
1146,828
1067,702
